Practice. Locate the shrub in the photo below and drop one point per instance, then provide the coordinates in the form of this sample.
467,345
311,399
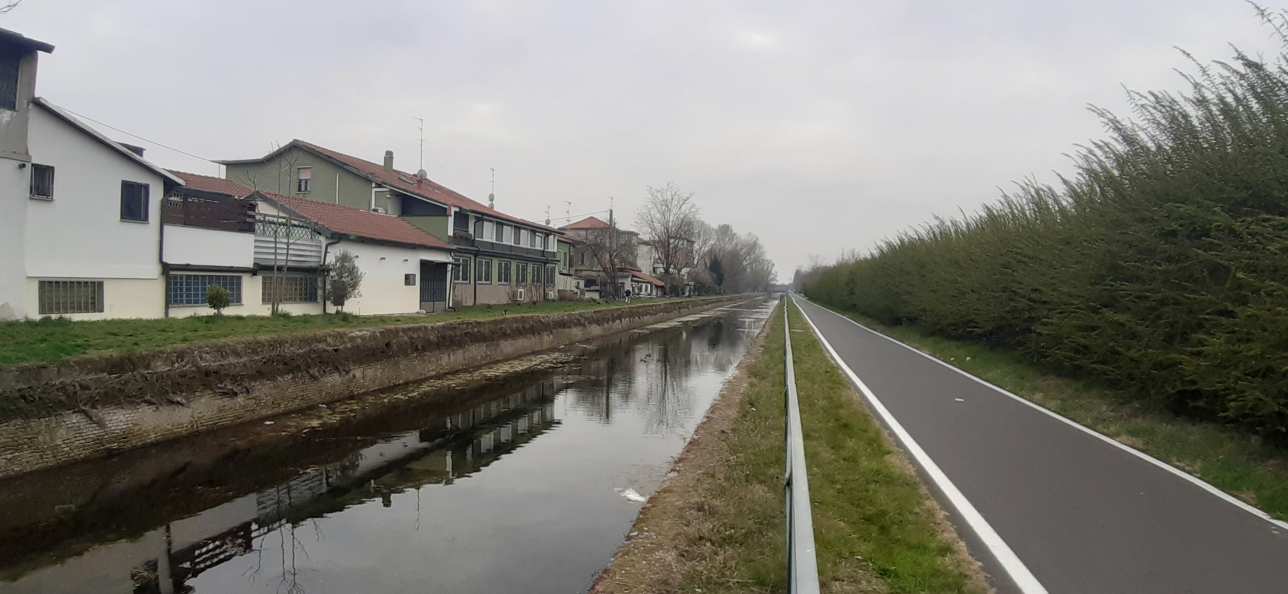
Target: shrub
344,280
217,298
1158,266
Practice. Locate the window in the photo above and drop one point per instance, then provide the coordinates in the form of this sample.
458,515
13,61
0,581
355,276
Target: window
42,182
500,232
503,272
488,230
294,288
461,222
9,62
134,201
533,238
550,275
518,236
478,229
69,297
521,275
303,176
483,270
190,289
409,280
461,270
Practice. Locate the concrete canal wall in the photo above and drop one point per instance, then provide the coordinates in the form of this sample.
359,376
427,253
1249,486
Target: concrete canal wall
58,413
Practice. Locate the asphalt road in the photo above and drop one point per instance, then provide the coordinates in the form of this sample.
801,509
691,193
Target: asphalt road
1079,514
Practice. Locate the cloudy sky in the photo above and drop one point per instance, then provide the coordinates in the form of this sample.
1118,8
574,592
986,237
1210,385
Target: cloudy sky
819,126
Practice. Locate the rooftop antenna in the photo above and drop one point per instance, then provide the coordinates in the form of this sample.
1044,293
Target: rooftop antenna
568,210
491,196
547,215
420,173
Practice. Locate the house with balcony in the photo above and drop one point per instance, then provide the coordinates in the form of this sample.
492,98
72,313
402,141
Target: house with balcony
271,250
80,226
496,257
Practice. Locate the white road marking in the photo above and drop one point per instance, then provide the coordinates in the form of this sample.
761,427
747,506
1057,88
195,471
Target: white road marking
1196,481
1010,562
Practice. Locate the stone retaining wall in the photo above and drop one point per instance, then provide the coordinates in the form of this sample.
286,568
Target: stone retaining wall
58,413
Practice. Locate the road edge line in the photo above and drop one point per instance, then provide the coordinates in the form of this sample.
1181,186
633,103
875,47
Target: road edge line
1194,480
1006,558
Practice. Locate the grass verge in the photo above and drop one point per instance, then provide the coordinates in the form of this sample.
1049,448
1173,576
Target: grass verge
717,524
1245,466
40,341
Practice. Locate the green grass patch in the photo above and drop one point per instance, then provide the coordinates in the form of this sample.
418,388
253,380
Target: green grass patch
1243,465
47,340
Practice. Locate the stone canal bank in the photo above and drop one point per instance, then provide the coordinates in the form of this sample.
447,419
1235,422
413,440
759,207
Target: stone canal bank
52,414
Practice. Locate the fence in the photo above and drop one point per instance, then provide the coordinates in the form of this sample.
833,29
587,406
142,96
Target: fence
802,567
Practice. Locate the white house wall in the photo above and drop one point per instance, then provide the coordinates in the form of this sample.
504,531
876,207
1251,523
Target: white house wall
14,189
196,246
80,235
383,290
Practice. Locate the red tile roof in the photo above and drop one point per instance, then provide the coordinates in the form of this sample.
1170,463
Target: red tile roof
648,278
406,182
216,185
587,223
344,220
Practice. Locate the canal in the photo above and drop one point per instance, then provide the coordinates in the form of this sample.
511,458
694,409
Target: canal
525,485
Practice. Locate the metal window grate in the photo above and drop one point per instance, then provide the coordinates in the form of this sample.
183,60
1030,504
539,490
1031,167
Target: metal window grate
70,296
190,289
409,280
290,289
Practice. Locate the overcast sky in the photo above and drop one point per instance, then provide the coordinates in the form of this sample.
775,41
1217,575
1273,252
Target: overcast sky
821,127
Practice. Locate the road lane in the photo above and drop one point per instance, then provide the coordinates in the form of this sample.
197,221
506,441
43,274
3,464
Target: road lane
1081,514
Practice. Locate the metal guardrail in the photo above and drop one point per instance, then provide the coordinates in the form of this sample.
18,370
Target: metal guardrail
802,566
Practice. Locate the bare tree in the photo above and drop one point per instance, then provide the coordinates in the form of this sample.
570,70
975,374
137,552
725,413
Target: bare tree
669,222
612,249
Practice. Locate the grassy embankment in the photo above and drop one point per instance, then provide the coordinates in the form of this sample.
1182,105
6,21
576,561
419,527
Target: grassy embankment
1243,465
717,525
56,339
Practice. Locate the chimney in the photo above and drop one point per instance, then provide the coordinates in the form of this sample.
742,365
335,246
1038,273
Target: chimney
133,148
389,161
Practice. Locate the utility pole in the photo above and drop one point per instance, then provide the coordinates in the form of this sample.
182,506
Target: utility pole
612,259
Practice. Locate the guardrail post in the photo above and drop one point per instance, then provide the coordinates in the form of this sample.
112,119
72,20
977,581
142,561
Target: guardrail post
802,565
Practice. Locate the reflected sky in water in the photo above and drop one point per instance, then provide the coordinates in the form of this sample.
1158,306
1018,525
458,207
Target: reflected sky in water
513,489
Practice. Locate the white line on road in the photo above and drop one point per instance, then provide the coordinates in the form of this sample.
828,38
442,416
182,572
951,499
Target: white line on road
1196,481
1009,561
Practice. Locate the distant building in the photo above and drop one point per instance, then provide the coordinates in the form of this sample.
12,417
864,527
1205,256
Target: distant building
497,258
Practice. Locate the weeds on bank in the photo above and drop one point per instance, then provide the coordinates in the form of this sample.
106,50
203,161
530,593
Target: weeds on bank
54,339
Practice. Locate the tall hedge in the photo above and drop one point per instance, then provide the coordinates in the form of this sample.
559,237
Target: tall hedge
1160,265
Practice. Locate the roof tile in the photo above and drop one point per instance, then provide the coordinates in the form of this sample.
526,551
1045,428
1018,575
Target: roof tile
359,223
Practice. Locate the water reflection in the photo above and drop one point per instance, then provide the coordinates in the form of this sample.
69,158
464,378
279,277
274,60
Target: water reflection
505,492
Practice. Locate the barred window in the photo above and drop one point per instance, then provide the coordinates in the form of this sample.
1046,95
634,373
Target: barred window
483,270
70,296
409,280
190,289
42,182
295,288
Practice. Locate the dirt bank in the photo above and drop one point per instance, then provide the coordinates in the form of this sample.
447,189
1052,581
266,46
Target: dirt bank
56,413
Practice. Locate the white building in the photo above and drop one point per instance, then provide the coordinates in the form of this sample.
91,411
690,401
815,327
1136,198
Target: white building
220,233
80,228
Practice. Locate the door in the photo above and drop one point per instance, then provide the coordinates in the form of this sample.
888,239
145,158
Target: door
433,286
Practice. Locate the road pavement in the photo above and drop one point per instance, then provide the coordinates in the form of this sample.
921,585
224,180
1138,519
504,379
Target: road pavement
1047,505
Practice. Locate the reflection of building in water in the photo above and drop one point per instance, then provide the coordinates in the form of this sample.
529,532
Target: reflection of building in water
449,447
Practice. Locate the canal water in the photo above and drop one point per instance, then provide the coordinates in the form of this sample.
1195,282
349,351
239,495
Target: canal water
524,486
